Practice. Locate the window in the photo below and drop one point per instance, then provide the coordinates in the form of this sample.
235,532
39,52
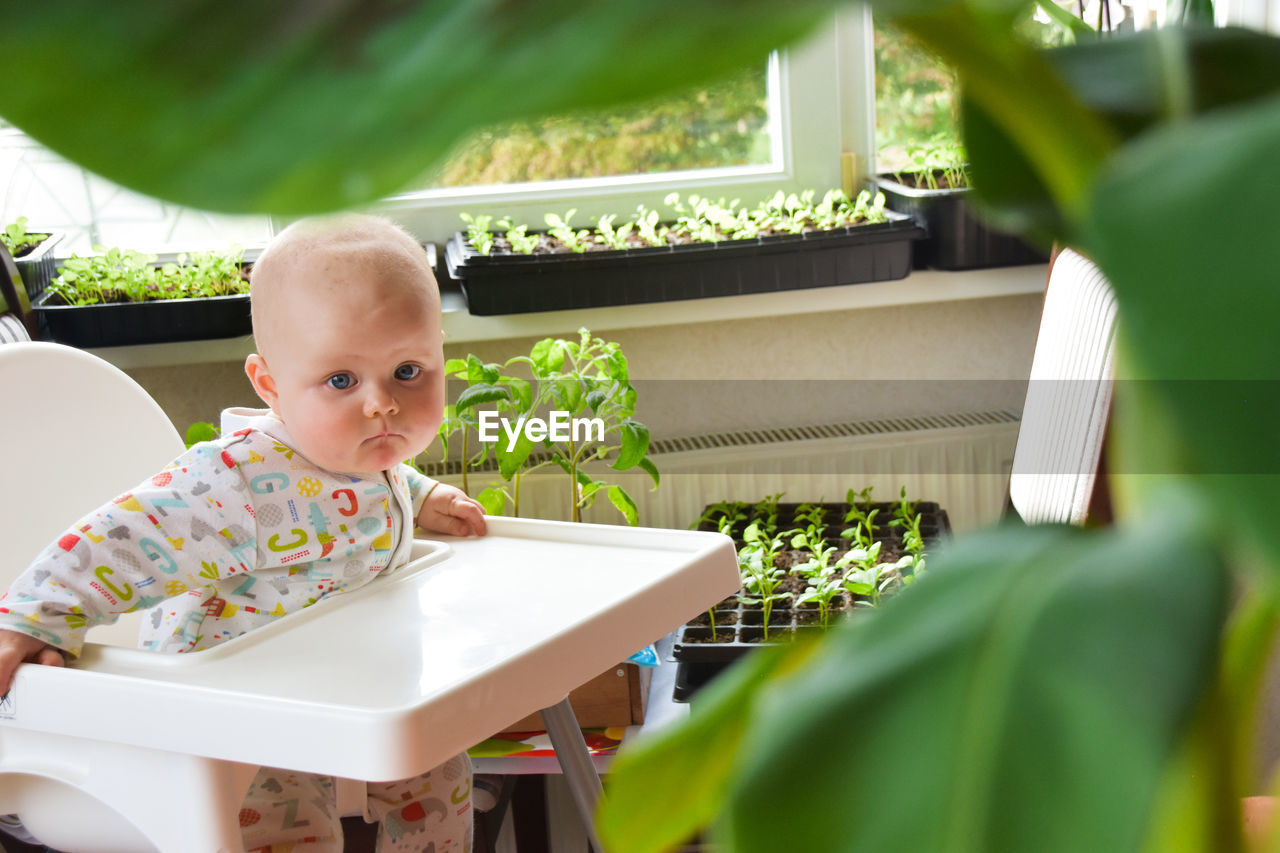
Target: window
802,131
88,210
781,127
917,96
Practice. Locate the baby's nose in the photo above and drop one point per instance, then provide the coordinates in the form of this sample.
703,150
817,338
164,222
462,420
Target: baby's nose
379,401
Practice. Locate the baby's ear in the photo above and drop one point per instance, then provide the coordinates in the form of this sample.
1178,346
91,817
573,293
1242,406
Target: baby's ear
255,367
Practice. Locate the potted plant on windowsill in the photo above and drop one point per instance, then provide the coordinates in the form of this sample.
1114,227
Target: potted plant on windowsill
121,297
707,248
934,190
32,255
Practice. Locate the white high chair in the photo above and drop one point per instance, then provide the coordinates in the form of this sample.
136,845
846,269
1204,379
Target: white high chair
128,750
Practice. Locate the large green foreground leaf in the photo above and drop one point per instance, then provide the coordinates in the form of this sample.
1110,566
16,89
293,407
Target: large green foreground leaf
1025,696
1132,84
298,107
1181,224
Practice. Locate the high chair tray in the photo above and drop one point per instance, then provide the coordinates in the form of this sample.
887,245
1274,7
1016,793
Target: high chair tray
395,678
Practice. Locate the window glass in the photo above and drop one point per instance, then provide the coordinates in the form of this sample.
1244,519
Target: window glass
712,126
917,96
86,210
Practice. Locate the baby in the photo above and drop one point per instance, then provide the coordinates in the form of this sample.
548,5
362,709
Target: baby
303,500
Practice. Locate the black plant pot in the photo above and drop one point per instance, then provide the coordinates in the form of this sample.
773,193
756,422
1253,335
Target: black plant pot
162,320
958,239
517,284
37,266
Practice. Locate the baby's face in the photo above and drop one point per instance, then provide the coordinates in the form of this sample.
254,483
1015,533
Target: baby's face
358,369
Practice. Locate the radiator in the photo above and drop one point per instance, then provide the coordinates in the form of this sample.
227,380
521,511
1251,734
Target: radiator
962,461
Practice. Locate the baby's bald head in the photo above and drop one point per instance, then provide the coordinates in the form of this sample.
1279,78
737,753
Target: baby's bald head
324,258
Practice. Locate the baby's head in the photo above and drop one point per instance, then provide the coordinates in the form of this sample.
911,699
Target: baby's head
346,317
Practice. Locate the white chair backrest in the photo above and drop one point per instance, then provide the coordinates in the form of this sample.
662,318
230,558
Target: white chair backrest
75,432
1064,419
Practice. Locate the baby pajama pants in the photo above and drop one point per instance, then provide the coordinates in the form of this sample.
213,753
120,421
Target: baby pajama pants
286,811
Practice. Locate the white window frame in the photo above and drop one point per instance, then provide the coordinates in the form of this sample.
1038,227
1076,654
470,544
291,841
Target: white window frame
816,125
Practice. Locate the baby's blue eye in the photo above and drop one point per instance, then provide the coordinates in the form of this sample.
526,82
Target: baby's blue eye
341,381
406,372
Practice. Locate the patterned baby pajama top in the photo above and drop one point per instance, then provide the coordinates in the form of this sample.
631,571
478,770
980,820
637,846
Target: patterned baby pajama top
230,536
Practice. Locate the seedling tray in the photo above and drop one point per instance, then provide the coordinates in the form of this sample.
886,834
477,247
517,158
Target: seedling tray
957,239
739,625
38,266
518,284
122,323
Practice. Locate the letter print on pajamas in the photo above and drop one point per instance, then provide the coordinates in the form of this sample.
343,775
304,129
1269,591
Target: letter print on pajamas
242,505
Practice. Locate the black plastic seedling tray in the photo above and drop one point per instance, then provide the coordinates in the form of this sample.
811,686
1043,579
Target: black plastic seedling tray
958,239
517,284
121,323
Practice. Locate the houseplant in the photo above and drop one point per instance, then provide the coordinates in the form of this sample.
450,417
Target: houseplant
121,296
32,254
1055,689
702,248
564,381
934,190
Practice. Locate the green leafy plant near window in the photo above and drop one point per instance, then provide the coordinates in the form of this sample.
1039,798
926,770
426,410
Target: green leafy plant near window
126,275
697,219
586,378
1046,688
17,239
938,163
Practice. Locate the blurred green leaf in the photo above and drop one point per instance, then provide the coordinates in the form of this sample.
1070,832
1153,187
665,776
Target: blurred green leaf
1133,83
687,767
299,107
200,431
1178,222
1034,671
1067,663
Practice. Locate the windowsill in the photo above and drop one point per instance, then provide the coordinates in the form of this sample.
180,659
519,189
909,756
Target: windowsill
927,286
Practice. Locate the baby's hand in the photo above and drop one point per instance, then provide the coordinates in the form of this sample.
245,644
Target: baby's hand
449,510
18,648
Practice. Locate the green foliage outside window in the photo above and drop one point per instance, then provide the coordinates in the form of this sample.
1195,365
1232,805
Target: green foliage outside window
723,124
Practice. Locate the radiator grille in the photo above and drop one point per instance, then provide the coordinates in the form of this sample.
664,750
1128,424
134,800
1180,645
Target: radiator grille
961,460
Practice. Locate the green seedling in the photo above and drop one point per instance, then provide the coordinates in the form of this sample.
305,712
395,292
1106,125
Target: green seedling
124,275
811,537
574,241
904,511
16,238
766,512
936,162
614,238
478,233
521,240
912,541
646,224
733,510
761,579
